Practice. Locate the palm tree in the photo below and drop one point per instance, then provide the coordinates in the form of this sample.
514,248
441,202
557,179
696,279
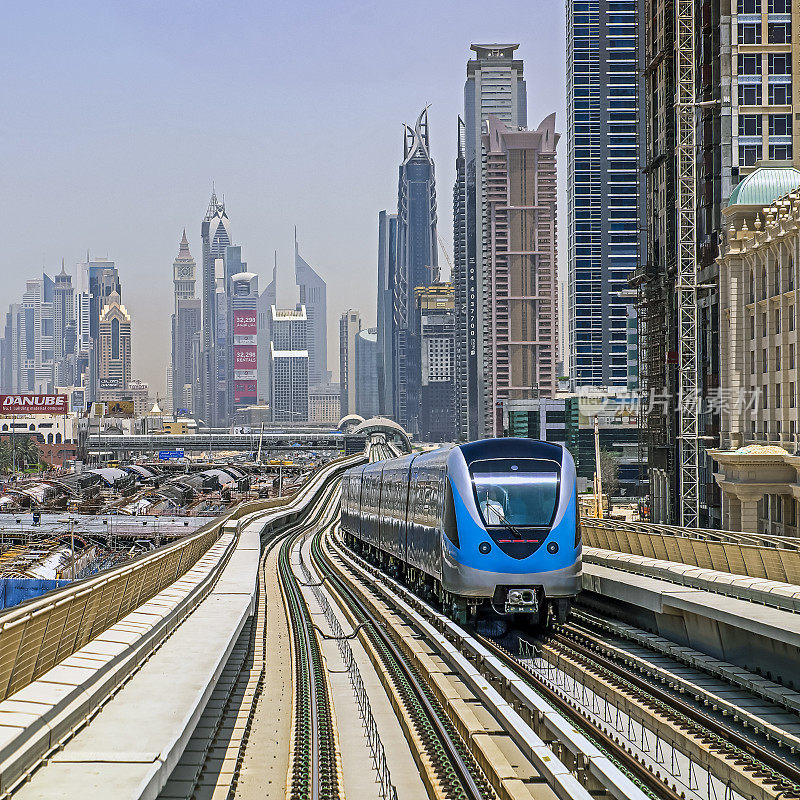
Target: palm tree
6,460
27,452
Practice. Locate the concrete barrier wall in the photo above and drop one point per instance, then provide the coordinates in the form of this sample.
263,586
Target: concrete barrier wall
773,563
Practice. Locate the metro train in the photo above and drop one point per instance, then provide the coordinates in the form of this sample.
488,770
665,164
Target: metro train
489,525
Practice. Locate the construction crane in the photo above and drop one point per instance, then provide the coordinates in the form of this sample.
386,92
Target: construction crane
444,253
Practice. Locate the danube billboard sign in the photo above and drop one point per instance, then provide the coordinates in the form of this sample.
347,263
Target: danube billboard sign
244,323
21,404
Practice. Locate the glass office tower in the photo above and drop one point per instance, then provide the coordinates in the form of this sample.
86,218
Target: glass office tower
604,183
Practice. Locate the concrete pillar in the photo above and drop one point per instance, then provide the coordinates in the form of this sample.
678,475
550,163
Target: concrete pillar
749,516
736,514
726,511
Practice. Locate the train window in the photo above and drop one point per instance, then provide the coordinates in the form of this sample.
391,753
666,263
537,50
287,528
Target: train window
521,492
449,518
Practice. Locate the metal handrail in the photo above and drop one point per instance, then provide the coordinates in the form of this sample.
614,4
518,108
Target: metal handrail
753,556
40,633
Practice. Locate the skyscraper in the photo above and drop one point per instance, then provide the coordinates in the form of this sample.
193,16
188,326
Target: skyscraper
465,303
216,238
313,295
64,330
114,344
436,321
417,264
186,323
495,86
289,364
349,326
243,359
387,260
605,218
520,286
366,373
98,279
266,300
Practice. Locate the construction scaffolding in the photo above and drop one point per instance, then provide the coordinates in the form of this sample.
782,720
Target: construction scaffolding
688,371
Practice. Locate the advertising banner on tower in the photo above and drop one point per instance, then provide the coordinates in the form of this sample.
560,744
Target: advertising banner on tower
245,392
245,356
21,404
244,323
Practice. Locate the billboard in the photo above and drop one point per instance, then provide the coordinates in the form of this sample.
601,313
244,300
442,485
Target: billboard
244,323
13,404
169,455
244,356
610,411
119,408
245,392
109,383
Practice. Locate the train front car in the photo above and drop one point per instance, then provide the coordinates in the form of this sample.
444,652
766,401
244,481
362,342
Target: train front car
518,541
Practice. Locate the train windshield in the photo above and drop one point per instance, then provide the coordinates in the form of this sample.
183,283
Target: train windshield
515,493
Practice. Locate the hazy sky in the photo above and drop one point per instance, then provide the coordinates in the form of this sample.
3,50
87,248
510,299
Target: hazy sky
116,117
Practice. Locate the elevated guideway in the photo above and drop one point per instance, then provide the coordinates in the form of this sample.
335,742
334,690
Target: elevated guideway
103,682
731,597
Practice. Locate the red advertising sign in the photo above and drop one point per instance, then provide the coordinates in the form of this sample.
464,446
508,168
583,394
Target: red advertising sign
244,323
244,356
245,391
21,404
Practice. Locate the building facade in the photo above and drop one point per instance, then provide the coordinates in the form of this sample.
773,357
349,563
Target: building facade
314,296
417,264
349,326
366,373
757,465
519,281
436,333
289,364
243,341
186,323
387,261
114,345
605,218
494,85
215,232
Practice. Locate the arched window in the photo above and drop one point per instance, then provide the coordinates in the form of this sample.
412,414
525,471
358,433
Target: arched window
752,286
31,427
777,277
764,282
49,438
5,427
58,438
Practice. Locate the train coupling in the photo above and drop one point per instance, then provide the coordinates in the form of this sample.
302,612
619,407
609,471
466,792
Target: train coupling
525,601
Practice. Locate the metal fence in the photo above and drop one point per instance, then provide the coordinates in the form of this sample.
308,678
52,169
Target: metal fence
773,561
37,635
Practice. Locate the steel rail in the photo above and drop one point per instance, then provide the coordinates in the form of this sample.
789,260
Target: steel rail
625,762
734,744
396,664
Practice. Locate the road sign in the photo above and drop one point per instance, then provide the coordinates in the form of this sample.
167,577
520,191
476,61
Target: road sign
169,455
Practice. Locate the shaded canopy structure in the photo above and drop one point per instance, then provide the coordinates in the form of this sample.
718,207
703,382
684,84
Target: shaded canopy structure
391,429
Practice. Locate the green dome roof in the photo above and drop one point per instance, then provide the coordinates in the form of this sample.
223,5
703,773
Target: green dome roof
765,185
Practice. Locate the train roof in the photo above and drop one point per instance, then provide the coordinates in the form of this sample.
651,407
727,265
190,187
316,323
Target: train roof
511,447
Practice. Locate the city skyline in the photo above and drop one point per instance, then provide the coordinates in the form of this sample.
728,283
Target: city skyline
173,167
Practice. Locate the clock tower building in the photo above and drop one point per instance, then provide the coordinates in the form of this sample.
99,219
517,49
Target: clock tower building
186,328
183,272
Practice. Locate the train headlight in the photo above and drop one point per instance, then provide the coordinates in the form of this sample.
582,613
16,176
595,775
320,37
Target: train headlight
484,548
552,548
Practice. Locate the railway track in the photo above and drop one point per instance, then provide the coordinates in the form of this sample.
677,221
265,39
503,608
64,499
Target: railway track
767,769
568,764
